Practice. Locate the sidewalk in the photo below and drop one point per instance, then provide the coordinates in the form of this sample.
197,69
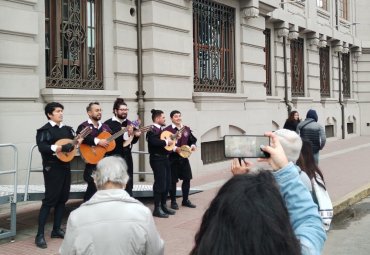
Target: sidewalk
343,162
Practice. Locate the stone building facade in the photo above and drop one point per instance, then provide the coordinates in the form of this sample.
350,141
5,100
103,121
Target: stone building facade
230,66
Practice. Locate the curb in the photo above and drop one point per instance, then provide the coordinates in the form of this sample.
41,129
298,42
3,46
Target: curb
351,198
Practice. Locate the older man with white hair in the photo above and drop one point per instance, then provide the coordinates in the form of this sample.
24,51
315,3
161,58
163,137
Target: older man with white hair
111,222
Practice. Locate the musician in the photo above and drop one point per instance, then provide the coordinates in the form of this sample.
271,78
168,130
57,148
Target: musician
116,123
57,174
160,164
94,112
180,167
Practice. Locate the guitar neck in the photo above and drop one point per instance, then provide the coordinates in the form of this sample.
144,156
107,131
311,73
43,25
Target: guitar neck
115,135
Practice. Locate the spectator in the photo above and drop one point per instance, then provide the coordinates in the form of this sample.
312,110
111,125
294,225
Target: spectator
111,222
312,131
248,216
319,193
292,122
292,145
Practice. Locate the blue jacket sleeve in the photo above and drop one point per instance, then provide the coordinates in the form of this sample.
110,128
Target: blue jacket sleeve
303,212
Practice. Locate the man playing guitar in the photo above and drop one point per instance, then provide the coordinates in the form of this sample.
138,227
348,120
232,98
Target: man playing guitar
180,167
94,112
116,123
160,164
57,174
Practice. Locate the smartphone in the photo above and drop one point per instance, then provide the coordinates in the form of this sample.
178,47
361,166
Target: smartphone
245,146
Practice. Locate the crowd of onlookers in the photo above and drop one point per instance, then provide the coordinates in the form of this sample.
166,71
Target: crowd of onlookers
267,207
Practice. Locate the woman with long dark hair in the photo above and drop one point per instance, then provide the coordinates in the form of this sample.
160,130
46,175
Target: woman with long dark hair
292,122
247,216
307,163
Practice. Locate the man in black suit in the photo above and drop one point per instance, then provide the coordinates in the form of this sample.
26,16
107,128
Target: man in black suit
57,174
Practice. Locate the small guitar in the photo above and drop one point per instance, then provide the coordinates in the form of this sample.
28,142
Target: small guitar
185,151
167,134
68,156
142,130
93,154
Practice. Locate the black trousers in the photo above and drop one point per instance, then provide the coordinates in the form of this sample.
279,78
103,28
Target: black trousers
180,169
130,171
162,178
91,187
57,181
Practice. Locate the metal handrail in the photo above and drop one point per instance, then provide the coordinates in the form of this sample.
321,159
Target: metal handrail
13,201
29,170
14,171
40,169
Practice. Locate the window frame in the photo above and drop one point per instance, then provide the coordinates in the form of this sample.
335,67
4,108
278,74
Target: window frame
58,68
324,71
297,63
218,72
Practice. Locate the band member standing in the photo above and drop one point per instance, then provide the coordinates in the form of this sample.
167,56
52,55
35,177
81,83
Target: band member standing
94,111
116,123
57,174
180,167
160,164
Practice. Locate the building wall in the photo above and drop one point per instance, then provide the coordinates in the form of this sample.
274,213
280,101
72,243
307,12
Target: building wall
168,70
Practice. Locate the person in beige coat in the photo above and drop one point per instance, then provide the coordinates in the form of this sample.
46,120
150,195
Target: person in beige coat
111,222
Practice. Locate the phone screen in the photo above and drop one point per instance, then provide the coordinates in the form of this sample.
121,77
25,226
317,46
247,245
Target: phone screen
245,146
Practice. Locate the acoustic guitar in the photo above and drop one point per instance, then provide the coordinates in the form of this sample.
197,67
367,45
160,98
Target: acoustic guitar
142,130
167,134
68,156
93,154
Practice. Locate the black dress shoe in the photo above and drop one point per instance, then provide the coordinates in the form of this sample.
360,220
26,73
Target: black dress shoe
168,210
174,205
59,233
187,203
159,213
40,242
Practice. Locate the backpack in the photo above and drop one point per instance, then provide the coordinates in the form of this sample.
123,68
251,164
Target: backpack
322,199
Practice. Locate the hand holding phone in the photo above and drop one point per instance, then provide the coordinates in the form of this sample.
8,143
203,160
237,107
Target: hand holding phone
245,146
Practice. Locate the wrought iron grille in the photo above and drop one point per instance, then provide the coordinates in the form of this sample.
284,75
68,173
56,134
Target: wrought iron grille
213,45
343,9
213,152
297,67
267,49
324,72
73,48
346,75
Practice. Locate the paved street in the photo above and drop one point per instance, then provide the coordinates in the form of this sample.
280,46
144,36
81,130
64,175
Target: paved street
350,233
345,167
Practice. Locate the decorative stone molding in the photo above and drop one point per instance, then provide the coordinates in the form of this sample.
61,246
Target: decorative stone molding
323,42
250,12
314,41
338,48
283,32
293,33
345,49
357,52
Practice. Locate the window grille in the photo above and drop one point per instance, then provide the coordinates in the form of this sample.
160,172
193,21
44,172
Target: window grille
73,44
324,72
267,33
297,67
346,75
343,9
213,45
213,152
